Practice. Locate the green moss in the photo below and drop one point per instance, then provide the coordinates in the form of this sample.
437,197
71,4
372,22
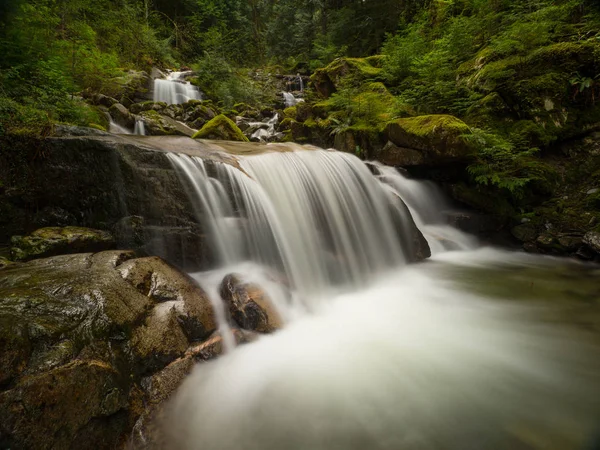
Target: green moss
424,126
97,127
221,127
290,112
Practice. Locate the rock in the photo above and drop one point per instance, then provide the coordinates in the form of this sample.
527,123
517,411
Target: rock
72,130
425,140
150,105
475,223
97,181
326,81
131,87
592,240
52,241
546,241
570,243
249,305
593,191
122,116
221,127
393,155
77,336
525,232
4,262
160,125
103,100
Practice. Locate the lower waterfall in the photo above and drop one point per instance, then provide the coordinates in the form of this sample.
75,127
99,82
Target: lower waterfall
377,353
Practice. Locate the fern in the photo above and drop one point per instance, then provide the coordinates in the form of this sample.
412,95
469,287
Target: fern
501,164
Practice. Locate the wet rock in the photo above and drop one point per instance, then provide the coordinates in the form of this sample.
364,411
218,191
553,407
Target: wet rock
249,305
592,240
525,232
78,336
570,243
52,241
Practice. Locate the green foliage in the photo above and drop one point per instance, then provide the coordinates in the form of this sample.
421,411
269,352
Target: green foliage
503,165
224,83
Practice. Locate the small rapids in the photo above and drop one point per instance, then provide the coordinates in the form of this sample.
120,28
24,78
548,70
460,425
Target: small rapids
472,349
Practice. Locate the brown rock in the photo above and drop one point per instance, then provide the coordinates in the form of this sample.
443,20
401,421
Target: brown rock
249,305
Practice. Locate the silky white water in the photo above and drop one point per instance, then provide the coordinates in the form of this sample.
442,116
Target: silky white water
473,349
175,89
140,128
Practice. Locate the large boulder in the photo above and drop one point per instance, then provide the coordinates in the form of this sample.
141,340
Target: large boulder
425,140
98,181
122,116
52,241
592,240
79,334
221,127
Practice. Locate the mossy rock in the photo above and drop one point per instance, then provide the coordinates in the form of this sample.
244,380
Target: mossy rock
354,71
221,127
137,108
290,113
438,139
160,125
52,241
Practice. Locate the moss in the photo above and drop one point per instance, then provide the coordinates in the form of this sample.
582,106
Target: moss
424,126
347,71
221,127
285,124
290,112
97,127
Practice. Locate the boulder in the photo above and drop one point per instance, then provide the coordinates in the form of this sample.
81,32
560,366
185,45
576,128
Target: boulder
249,305
79,334
221,127
592,240
425,140
52,241
150,105
355,71
160,125
525,232
122,116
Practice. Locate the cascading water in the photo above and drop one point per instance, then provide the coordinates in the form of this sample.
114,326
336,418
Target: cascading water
289,99
266,130
140,128
175,89
376,354
114,127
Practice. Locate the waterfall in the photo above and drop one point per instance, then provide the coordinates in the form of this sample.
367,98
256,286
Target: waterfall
175,90
301,83
427,205
114,127
289,99
319,217
140,128
266,130
375,354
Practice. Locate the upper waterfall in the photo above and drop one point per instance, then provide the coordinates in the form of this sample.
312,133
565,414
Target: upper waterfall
175,89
